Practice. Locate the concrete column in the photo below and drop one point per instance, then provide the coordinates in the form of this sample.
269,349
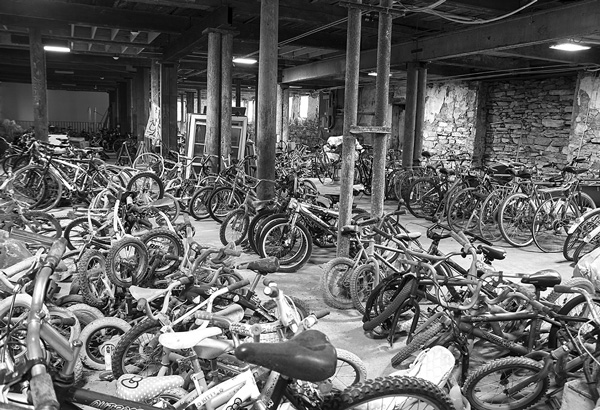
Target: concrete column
382,88
350,119
479,143
226,68
37,60
266,130
238,93
122,110
168,108
199,101
278,120
285,115
408,147
189,102
113,106
420,111
155,83
213,96
141,103
295,107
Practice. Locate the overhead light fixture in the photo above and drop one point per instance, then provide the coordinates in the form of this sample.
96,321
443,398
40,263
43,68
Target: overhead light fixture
570,46
115,57
242,60
295,86
63,72
374,74
58,49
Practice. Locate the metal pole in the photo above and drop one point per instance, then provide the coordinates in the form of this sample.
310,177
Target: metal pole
408,146
420,112
266,130
37,59
350,118
382,87
213,97
226,99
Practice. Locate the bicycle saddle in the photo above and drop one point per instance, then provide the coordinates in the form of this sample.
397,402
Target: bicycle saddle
493,253
307,356
264,265
524,174
408,236
576,171
137,388
542,279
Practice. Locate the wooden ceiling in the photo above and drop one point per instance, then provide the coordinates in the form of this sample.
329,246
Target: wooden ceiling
460,39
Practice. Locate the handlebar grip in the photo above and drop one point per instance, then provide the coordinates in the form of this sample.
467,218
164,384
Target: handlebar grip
186,280
238,285
171,257
56,252
382,233
563,289
479,238
141,304
232,252
321,313
366,222
203,315
43,394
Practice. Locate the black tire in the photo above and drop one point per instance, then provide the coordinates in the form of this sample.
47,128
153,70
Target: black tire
420,341
489,226
350,370
399,297
278,239
516,217
424,198
126,262
234,227
160,242
197,206
222,201
585,247
78,231
85,313
147,186
573,240
385,389
138,350
463,210
500,371
362,282
258,223
31,185
551,222
335,283
41,223
92,270
577,307
107,330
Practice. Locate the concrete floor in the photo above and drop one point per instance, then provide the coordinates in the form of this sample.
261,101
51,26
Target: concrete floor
344,327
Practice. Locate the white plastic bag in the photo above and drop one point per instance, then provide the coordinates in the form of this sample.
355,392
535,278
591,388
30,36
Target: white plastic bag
589,267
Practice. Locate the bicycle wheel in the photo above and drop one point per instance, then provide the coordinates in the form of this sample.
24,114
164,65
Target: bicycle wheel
350,370
489,225
392,392
486,387
291,245
92,275
167,207
126,262
463,210
138,351
41,223
222,201
197,205
253,231
147,186
103,200
30,186
516,217
424,198
362,282
149,162
586,247
584,202
85,313
400,292
160,242
421,341
335,283
551,222
234,227
97,336
584,225
79,232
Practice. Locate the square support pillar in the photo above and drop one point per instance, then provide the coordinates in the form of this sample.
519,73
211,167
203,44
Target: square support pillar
168,108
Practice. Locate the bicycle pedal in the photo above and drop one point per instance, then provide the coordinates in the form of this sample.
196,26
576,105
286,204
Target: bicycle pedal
106,376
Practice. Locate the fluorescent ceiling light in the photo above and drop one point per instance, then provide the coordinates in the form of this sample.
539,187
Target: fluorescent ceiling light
241,60
374,74
570,46
58,49
295,86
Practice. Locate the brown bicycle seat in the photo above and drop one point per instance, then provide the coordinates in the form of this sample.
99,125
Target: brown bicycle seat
307,356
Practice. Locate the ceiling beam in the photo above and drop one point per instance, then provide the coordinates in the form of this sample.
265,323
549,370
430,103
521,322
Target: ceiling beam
504,5
189,40
563,22
74,13
187,4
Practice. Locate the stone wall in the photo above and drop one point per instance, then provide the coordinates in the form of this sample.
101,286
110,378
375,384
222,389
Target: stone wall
530,120
450,114
585,128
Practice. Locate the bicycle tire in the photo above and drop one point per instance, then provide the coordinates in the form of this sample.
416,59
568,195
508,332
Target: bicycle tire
42,223
424,198
350,370
234,227
222,201
576,306
124,271
131,345
489,225
147,186
551,222
149,162
259,225
335,283
85,313
77,231
272,244
504,366
111,327
420,341
361,285
515,217
169,206
584,202
385,390
586,247
462,208
586,223
255,221
400,296
160,242
92,268
29,185
197,205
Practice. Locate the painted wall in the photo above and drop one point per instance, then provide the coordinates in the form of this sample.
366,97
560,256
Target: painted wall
16,103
